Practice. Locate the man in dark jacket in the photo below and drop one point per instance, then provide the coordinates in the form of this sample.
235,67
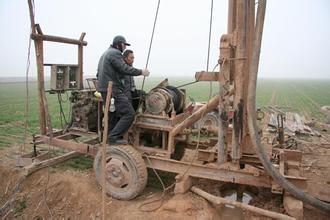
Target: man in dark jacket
128,56
112,67
132,93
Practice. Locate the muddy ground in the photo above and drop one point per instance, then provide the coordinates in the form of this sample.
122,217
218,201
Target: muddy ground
67,193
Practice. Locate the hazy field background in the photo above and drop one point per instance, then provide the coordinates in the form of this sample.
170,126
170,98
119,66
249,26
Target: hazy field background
303,96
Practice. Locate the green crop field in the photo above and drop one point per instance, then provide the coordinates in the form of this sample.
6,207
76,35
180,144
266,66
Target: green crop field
302,96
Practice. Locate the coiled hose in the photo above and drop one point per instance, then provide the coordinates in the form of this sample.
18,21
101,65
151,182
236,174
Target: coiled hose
292,189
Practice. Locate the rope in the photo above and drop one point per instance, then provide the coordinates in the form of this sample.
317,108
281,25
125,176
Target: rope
187,84
152,37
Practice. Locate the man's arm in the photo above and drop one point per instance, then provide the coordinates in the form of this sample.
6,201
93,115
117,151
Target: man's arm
119,64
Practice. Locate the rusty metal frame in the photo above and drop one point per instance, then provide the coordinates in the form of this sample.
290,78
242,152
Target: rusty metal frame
67,140
225,172
234,60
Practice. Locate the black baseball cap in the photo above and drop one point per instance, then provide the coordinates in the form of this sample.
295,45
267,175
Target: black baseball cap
119,39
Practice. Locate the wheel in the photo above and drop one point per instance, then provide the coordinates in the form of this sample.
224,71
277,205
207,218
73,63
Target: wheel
126,172
210,119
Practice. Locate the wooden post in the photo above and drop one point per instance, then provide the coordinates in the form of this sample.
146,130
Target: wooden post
104,146
80,60
223,80
41,84
246,143
239,71
38,43
231,16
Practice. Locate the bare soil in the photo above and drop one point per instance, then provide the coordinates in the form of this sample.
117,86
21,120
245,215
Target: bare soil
54,193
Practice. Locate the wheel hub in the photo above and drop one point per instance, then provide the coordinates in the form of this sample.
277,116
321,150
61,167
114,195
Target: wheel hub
118,174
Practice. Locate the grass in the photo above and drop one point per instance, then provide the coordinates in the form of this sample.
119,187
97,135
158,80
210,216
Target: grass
19,208
305,97
77,163
166,177
302,96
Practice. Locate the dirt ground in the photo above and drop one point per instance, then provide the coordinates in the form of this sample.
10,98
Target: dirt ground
53,193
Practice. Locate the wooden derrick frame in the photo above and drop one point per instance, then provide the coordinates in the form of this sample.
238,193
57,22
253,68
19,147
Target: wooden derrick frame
39,38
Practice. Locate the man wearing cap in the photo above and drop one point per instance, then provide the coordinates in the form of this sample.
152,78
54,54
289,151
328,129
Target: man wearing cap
112,67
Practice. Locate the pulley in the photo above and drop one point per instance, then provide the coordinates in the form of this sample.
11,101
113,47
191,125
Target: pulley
164,99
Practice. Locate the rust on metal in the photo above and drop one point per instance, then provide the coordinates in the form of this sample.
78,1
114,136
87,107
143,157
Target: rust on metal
163,129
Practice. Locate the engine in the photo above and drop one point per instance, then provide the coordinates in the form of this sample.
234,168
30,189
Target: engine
84,110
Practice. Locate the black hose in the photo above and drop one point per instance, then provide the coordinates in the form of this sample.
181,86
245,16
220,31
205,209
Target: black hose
292,189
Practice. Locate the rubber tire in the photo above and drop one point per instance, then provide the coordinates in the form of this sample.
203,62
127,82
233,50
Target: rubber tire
211,117
134,163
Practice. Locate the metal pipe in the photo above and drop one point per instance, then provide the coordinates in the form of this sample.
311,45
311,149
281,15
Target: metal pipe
292,189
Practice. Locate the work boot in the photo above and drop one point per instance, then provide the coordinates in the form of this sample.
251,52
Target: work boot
117,141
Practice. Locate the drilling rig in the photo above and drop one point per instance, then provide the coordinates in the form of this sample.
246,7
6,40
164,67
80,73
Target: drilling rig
162,130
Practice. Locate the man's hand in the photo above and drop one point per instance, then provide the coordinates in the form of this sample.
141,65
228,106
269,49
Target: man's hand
145,72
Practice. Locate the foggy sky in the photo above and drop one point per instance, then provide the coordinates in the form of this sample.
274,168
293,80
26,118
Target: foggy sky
296,39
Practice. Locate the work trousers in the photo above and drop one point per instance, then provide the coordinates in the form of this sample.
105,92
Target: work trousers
122,118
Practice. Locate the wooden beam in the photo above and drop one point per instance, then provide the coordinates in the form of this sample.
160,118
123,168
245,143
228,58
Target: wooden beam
57,39
80,64
240,68
41,84
81,60
39,29
83,34
206,76
219,200
32,16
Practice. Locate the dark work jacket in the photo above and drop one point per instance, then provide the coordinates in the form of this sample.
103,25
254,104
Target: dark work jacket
112,67
129,86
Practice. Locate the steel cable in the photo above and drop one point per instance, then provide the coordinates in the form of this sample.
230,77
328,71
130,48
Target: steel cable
151,40
161,199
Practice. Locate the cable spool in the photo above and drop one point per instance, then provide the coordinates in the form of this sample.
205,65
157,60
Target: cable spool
164,99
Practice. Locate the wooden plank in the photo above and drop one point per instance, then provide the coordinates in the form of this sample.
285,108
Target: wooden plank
206,76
